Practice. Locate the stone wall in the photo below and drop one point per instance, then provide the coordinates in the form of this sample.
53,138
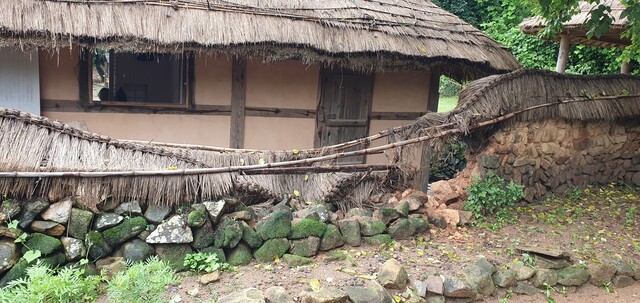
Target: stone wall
555,155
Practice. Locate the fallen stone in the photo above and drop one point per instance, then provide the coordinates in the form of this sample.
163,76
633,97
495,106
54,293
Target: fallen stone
197,218
437,219
8,255
466,217
479,276
227,234
525,289
74,249
403,208
360,294
548,252
451,216
544,276
350,230
623,268
131,208
331,238
305,247
31,211
249,295
45,244
270,249
392,275
601,273
414,201
573,276
174,231
326,295
124,231
209,278
49,228
622,281
250,236
456,288
80,223
401,229
277,294
523,272
370,226
58,212
307,227
215,209
419,287
109,266
505,277
276,225
107,220
435,284
173,254
156,213
203,236
294,260
137,251
239,255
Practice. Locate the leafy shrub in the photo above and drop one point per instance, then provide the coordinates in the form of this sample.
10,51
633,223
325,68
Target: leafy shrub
492,195
448,161
207,262
141,282
43,284
449,87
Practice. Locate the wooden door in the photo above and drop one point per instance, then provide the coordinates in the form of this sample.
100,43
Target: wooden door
343,111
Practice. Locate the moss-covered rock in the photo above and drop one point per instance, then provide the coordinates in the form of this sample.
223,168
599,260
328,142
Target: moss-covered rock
306,228
305,247
124,231
239,255
98,247
45,244
573,276
227,234
270,249
250,236
370,226
55,260
401,229
80,223
420,224
16,272
293,260
197,218
203,236
276,225
219,252
173,254
331,238
378,239
386,214
403,208
350,230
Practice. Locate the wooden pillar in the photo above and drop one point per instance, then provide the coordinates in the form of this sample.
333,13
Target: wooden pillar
84,77
238,102
434,90
563,53
625,68
421,181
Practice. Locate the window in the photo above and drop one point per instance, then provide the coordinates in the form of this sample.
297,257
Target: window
132,78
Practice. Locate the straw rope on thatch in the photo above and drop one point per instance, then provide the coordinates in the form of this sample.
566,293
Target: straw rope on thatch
358,34
577,29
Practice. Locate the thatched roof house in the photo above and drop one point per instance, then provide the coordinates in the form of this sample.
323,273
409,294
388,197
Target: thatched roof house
575,31
399,34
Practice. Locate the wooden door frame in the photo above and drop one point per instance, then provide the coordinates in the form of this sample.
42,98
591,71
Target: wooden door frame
324,72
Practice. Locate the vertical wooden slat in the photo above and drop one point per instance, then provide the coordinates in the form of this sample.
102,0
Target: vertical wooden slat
238,102
434,90
191,79
84,76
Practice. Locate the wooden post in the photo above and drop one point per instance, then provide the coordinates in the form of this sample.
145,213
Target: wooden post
434,90
238,102
625,68
422,178
563,53
85,79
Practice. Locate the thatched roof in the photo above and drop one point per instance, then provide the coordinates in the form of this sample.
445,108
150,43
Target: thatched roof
577,29
361,34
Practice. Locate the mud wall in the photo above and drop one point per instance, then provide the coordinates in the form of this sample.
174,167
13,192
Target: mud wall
556,155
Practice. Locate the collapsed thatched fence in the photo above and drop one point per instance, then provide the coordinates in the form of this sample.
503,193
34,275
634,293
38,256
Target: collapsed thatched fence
39,157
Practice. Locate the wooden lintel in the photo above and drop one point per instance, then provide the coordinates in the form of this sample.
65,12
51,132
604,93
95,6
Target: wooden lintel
238,102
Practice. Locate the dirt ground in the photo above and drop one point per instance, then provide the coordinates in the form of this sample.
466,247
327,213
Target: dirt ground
592,225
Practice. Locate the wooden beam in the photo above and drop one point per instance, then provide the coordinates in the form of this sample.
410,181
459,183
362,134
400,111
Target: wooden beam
238,102
434,90
563,53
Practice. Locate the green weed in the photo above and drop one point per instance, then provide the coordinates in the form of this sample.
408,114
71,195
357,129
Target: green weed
141,282
206,262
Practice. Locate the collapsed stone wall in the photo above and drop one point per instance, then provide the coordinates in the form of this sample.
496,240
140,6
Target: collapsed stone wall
556,155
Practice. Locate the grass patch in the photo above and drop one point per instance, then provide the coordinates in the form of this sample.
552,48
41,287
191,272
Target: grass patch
446,104
141,282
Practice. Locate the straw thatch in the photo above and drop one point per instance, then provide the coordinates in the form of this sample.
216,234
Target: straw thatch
577,29
367,35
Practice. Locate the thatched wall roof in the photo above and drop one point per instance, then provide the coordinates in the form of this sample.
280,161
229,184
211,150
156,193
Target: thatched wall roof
577,29
361,34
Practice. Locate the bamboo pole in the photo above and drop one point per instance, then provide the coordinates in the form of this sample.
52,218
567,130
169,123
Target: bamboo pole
307,161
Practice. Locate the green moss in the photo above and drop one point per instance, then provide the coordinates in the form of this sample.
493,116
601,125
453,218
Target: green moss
45,244
196,218
240,255
331,238
371,227
270,249
98,247
294,261
378,239
403,209
124,231
250,236
227,234
277,225
307,228
421,225
79,223
19,270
